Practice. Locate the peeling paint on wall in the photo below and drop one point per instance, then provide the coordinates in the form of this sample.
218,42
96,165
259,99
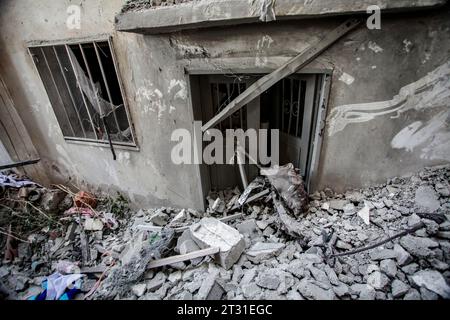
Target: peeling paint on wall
124,158
346,78
372,45
433,136
261,48
431,91
153,100
407,45
178,89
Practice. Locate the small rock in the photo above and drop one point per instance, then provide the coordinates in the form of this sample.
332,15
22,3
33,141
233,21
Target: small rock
211,289
139,289
433,281
389,267
364,214
427,199
269,280
175,276
412,294
159,218
378,280
251,291
365,291
399,288
410,268
417,246
262,224
338,204
261,251
355,197
343,245
248,227
158,280
93,224
382,254
312,291
443,189
403,257
427,294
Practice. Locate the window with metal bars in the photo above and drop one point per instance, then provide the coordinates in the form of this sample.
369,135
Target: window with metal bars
85,92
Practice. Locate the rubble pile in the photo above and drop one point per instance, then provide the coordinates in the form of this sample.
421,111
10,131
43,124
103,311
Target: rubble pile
389,241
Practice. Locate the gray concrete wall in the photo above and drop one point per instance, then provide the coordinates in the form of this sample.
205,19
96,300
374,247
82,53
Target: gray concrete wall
4,155
390,97
377,65
147,176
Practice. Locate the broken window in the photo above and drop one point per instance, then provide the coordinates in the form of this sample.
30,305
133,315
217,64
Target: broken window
84,90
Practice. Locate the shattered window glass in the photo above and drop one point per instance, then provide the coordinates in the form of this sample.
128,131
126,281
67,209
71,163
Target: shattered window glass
84,90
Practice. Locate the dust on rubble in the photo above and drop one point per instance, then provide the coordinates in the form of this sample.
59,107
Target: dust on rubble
270,241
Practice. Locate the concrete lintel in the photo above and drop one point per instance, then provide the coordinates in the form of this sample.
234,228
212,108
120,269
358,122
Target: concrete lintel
212,13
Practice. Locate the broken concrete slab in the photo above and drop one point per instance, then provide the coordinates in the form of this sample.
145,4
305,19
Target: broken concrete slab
261,251
139,289
269,279
378,280
433,281
248,227
157,282
364,291
311,291
382,254
399,288
403,256
364,214
159,218
211,289
427,199
93,224
210,232
417,246
197,14
338,204
389,267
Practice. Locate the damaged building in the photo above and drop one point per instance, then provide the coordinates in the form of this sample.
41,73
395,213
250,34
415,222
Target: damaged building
92,91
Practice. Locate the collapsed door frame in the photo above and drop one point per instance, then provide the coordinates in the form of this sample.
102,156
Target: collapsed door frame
318,124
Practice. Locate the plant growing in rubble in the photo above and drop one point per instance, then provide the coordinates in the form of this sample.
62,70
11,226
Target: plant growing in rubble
119,206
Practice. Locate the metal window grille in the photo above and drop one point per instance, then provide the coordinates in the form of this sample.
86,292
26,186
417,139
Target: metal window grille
83,88
222,94
293,104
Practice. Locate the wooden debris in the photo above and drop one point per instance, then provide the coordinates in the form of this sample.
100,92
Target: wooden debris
182,257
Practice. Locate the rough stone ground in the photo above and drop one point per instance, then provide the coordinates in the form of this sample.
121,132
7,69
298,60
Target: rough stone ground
273,265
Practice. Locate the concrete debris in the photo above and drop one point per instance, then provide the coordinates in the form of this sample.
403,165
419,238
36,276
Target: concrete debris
364,214
93,225
399,288
433,281
210,232
139,289
269,279
312,291
159,218
378,280
418,246
270,250
289,185
262,251
427,199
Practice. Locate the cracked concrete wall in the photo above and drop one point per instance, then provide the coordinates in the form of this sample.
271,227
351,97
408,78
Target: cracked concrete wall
388,113
155,90
369,66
